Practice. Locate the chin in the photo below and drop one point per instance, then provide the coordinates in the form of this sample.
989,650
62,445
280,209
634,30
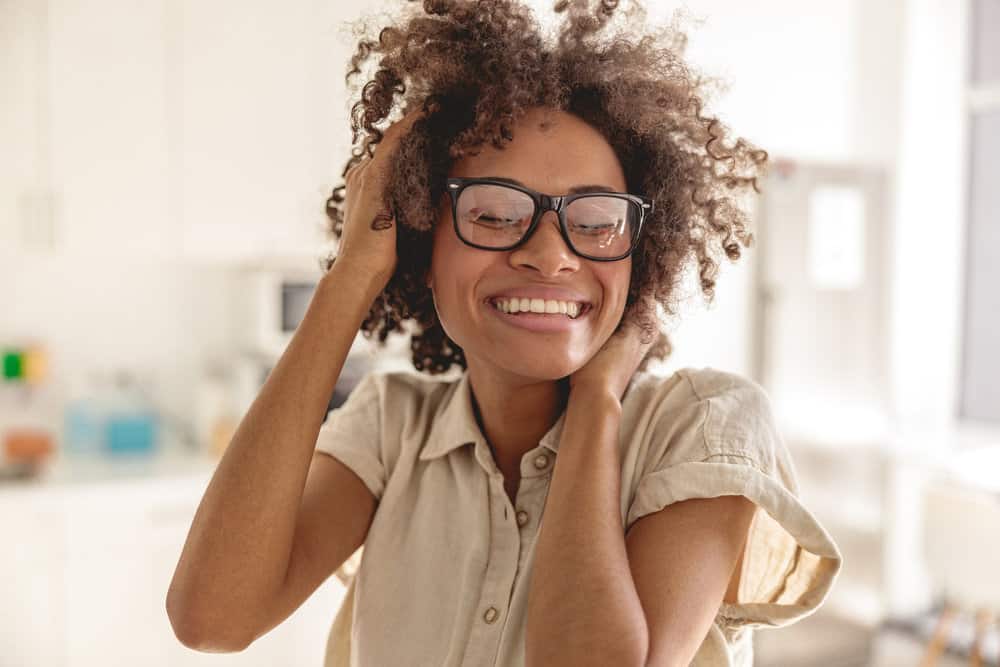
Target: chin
547,369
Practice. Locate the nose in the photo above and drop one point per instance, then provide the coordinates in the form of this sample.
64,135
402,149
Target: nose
546,250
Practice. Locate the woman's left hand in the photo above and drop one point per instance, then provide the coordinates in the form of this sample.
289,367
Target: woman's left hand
611,369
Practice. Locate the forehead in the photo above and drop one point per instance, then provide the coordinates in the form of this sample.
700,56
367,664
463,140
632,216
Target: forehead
552,151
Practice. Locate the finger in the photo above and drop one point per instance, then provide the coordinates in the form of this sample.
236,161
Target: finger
405,123
395,132
382,153
357,168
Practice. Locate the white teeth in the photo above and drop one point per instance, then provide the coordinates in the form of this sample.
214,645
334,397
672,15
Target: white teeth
547,306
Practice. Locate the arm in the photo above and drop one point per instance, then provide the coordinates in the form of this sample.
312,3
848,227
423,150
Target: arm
275,521
599,597
239,547
682,559
583,608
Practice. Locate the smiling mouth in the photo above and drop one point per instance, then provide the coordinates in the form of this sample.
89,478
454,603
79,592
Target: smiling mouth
555,307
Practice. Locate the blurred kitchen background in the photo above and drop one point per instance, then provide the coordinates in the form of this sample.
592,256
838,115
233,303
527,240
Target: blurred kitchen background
163,170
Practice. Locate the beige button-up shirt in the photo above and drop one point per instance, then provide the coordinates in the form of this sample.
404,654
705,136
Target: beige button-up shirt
446,565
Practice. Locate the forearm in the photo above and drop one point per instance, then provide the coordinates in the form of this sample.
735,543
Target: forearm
583,608
239,544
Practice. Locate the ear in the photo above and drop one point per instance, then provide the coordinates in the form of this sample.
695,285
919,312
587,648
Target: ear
428,280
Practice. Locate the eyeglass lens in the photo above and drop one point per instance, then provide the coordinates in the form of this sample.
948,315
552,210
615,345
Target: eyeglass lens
494,216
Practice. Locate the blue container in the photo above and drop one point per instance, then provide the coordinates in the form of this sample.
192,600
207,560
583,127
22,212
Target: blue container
130,433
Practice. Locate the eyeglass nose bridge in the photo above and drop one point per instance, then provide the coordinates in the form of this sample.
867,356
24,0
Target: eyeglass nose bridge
550,203
555,203
545,203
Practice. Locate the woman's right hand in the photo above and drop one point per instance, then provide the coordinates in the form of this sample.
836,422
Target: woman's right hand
368,238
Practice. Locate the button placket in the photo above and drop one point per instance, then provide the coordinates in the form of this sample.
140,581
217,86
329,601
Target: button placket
498,580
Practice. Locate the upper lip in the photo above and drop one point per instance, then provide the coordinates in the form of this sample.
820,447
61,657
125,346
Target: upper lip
553,293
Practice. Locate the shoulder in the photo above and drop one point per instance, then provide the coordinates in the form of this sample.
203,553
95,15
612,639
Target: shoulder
729,395
738,407
694,384
705,412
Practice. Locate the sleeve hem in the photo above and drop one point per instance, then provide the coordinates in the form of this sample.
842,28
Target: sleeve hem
711,479
360,465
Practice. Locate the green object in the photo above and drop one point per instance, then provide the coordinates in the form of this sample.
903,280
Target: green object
13,364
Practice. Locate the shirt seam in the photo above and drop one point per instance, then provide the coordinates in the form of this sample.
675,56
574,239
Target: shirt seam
694,390
751,461
704,420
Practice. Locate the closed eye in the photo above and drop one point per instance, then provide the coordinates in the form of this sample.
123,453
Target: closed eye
597,229
493,221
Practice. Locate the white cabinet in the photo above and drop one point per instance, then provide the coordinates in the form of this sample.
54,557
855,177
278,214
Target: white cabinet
244,93
107,131
86,570
260,122
32,583
123,541
22,194
82,130
177,130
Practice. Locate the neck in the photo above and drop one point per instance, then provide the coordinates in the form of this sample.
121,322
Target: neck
515,414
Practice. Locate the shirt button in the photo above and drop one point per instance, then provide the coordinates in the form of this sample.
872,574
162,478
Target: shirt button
491,615
541,461
522,518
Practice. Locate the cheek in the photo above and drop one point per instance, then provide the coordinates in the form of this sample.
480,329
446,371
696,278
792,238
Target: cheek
442,255
445,260
616,279
453,273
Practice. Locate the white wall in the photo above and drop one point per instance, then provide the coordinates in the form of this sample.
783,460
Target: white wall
876,83
808,81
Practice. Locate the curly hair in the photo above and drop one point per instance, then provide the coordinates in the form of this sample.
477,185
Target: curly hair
476,68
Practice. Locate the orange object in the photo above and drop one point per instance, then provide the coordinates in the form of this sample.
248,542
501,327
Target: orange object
27,445
35,364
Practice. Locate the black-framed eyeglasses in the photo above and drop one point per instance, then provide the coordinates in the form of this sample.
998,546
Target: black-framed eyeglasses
493,214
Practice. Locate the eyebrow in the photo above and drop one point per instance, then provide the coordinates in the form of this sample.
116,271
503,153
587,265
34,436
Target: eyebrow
575,190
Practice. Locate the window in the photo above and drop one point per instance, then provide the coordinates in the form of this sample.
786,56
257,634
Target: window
980,388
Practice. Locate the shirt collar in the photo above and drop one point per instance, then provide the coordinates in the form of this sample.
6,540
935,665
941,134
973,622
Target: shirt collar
455,424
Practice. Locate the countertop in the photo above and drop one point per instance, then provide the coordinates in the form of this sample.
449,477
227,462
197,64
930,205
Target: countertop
170,461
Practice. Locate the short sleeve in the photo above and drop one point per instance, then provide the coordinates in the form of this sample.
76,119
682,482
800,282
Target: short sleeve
729,445
352,434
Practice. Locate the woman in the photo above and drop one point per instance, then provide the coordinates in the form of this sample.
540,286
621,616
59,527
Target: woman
555,504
